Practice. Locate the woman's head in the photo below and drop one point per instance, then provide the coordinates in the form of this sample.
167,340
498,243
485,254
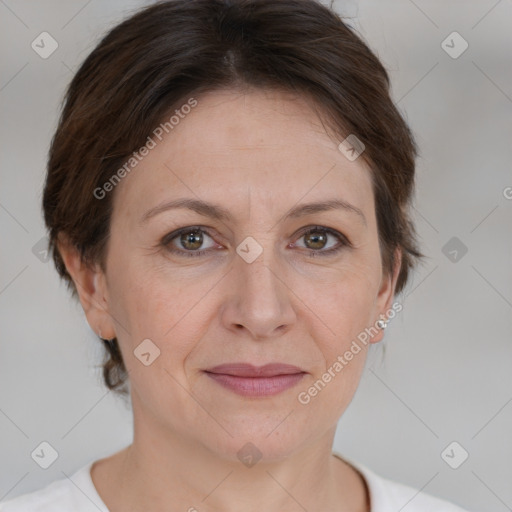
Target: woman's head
244,105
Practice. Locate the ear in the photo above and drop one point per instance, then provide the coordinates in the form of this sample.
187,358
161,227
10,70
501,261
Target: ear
386,295
91,286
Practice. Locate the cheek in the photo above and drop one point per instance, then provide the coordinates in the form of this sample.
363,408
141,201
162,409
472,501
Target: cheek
347,312
154,303
347,303
350,310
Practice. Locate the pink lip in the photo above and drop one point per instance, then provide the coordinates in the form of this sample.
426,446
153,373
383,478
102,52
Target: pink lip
248,380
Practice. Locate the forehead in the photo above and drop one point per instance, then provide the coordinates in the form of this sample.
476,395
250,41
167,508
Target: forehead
268,145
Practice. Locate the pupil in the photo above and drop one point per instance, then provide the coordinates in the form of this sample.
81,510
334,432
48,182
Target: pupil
192,237
316,239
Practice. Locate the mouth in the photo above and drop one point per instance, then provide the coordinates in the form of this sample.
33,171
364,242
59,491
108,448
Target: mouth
256,381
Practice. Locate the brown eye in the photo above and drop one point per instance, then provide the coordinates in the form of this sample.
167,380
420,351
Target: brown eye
316,239
191,240
187,241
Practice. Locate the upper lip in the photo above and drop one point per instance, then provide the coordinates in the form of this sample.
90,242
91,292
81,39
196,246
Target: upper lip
249,370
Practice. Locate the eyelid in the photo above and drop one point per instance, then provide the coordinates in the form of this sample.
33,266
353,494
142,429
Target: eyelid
330,231
343,240
167,239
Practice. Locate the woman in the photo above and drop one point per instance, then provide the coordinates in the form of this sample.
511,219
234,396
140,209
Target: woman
227,196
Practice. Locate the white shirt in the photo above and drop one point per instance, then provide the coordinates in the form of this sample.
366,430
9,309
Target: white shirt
80,495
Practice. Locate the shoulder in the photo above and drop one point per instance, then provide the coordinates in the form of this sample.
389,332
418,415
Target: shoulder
55,496
394,494
73,493
387,495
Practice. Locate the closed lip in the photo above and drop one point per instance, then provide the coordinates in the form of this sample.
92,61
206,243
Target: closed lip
249,370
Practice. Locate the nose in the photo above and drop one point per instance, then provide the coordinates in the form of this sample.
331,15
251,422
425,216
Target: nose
260,299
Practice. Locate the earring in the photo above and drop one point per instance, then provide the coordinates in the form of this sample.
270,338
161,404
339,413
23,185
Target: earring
382,324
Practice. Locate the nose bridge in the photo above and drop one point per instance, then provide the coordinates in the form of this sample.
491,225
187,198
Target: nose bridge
256,266
262,301
260,274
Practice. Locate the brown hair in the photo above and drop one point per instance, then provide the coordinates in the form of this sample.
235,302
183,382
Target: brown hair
152,62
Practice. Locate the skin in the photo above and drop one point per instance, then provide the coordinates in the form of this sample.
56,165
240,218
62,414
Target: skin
258,154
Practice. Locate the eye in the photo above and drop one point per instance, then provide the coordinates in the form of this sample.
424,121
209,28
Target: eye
187,241
190,239
316,238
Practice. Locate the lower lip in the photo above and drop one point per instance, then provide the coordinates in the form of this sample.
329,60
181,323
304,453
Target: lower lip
257,386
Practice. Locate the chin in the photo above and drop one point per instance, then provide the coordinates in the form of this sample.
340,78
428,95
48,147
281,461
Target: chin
258,441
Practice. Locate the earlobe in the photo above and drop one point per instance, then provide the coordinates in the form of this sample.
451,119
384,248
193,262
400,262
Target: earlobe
386,296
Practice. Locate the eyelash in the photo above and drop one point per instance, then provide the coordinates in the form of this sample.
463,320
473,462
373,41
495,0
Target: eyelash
344,242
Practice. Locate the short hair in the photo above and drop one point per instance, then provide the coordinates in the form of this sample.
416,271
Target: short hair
149,64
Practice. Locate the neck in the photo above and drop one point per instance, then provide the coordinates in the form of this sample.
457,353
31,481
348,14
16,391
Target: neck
163,469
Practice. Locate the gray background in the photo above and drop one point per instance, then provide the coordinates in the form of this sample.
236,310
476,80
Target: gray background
446,375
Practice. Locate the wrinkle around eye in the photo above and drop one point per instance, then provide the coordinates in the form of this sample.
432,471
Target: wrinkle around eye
170,240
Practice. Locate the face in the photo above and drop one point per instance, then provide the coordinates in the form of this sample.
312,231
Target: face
251,286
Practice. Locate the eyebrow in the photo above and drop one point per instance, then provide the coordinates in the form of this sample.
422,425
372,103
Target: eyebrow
218,212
